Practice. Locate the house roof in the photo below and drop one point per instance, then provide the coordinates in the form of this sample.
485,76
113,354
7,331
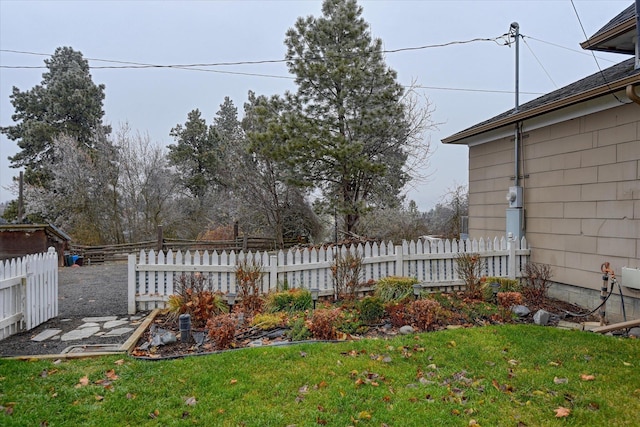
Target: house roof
617,35
599,84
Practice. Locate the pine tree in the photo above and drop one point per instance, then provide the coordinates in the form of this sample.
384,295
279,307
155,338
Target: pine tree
348,130
66,103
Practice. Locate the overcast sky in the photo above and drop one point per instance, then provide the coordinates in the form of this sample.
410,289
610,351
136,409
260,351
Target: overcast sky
465,83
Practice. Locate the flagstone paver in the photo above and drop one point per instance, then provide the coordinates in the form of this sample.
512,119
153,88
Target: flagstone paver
80,333
89,325
117,332
113,323
46,334
99,319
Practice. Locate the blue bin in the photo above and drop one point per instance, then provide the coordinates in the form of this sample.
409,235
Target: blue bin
74,259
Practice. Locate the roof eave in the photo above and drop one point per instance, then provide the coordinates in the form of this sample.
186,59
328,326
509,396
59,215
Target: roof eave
602,90
595,41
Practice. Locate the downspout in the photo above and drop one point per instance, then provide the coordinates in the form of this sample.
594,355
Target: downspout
631,92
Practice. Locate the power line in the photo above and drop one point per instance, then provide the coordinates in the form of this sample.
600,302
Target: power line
130,64
594,56
197,67
539,63
581,52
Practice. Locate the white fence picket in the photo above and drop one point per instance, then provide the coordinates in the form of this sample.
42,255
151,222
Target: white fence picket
432,263
28,292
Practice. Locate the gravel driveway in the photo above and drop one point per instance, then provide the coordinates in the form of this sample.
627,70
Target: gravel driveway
91,291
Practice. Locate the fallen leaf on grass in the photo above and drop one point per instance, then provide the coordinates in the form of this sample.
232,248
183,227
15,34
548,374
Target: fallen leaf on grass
626,364
364,415
557,380
234,381
561,411
585,377
83,382
131,396
154,414
191,401
99,398
111,374
119,362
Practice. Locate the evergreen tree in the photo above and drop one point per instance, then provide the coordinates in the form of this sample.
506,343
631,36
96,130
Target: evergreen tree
66,102
196,155
348,132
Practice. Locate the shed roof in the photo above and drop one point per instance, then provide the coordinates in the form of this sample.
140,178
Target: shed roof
49,229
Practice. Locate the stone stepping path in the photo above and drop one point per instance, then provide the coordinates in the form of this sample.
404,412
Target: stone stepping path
106,326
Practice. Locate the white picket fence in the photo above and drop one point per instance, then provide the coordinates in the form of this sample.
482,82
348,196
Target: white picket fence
28,292
151,275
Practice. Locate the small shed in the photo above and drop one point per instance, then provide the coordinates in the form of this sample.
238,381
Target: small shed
17,240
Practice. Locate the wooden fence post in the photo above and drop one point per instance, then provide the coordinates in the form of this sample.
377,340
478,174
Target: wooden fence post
273,272
511,244
160,244
131,290
399,261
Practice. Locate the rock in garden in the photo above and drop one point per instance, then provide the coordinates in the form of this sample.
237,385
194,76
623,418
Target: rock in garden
520,310
634,333
163,339
406,330
541,317
256,343
198,337
276,334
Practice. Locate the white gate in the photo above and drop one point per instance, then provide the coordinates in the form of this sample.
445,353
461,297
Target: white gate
28,292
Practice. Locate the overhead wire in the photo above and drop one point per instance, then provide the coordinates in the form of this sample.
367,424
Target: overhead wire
581,52
594,56
130,64
197,66
539,63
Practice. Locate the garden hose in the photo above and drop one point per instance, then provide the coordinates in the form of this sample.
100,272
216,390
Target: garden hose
606,269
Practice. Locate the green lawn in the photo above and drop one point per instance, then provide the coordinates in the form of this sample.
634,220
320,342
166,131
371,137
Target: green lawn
513,375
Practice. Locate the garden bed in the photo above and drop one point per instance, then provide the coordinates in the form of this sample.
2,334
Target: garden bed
462,312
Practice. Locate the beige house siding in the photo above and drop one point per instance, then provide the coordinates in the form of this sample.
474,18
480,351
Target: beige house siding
582,193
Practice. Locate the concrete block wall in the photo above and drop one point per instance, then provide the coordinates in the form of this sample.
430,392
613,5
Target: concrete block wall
590,298
582,194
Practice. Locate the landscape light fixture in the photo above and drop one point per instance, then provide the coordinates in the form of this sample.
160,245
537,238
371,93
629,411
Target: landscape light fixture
314,296
417,288
231,300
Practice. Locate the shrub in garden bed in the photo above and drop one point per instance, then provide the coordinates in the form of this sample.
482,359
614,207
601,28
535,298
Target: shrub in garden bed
266,321
395,288
192,297
222,330
424,314
291,300
371,309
